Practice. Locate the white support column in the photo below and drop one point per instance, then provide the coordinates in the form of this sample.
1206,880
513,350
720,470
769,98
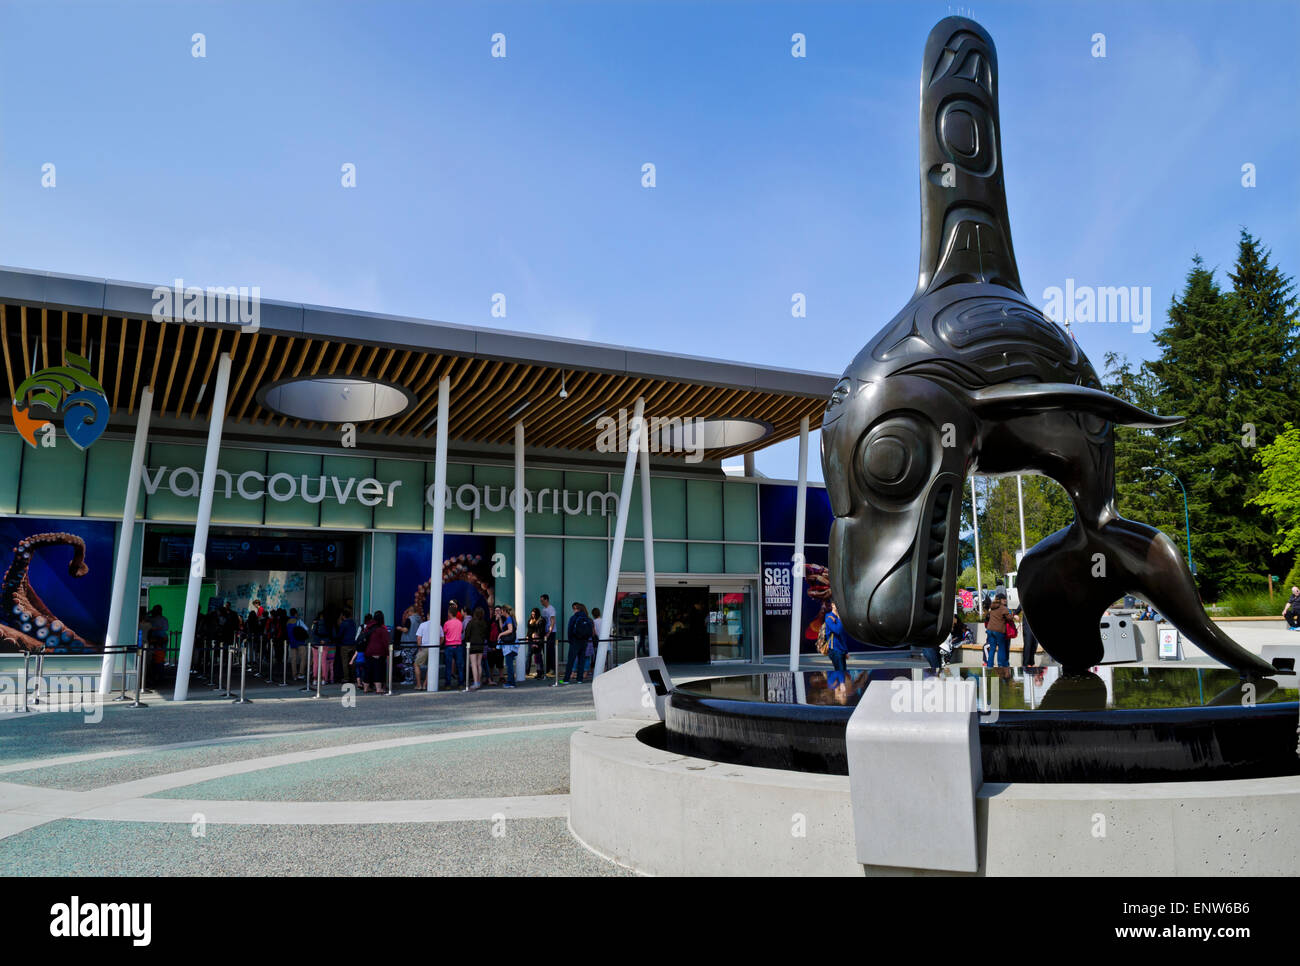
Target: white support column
439,527
620,531
201,521
521,601
1020,499
749,464
975,523
647,528
123,562
796,583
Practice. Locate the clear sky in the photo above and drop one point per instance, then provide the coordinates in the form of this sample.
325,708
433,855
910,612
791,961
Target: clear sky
523,175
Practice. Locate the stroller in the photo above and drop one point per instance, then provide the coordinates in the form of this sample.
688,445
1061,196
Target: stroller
950,650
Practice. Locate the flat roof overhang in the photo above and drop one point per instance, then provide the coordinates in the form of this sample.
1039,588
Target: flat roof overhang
44,315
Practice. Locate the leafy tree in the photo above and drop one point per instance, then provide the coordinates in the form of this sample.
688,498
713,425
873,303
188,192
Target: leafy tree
1280,488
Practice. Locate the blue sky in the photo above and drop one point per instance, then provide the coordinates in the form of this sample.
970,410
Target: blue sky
522,175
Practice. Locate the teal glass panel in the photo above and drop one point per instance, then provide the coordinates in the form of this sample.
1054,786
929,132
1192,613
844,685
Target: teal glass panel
167,465
670,558
52,480
544,573
740,511
668,506
234,508
11,454
546,517
704,510
742,558
108,466
406,512
505,586
352,514
290,479
456,519
585,570
705,558
494,484
580,487
383,576
633,557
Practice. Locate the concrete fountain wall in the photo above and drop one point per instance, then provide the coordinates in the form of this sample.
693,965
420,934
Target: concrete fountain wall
665,814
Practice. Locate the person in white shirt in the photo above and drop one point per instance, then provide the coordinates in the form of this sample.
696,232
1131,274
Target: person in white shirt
423,633
593,647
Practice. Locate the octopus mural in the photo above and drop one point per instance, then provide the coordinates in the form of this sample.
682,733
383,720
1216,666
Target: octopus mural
460,567
25,622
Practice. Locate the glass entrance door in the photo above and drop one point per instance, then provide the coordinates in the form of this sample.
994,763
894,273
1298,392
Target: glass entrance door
698,623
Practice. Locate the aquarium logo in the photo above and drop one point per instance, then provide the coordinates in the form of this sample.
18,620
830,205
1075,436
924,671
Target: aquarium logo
68,390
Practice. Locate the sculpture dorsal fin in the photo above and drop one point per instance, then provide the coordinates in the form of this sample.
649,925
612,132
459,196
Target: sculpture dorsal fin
965,232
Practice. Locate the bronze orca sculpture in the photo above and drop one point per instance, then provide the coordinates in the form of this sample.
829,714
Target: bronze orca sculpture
971,377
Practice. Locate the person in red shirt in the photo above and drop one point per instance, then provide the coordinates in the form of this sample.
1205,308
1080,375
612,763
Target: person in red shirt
375,638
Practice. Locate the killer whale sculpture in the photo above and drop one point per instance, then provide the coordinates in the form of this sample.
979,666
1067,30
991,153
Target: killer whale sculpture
971,377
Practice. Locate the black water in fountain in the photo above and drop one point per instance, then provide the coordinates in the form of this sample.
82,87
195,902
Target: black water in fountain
1117,724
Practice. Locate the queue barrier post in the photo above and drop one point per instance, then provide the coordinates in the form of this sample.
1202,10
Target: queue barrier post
284,664
243,669
26,657
123,652
320,668
40,676
390,670
139,667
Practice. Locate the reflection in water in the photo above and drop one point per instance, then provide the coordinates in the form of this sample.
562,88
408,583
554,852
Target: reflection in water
1010,689
1081,691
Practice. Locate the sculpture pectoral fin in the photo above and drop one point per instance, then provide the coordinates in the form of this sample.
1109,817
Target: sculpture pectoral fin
1015,398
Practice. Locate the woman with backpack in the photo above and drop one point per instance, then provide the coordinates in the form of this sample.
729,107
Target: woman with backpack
996,625
579,634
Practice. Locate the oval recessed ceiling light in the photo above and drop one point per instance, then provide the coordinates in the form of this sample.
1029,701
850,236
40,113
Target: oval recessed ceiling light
335,399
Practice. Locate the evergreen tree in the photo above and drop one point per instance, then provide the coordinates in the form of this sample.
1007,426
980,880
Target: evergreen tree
1143,494
1228,364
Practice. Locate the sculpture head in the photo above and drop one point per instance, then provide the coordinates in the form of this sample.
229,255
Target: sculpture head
895,453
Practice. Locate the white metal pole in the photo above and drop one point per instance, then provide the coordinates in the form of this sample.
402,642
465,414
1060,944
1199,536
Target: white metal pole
123,562
620,531
1020,499
439,525
975,522
796,582
647,526
521,601
201,521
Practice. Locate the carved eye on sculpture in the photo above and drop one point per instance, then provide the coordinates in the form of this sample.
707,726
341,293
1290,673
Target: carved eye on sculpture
894,458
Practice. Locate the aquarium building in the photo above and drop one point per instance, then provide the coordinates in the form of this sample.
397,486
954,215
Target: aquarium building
322,435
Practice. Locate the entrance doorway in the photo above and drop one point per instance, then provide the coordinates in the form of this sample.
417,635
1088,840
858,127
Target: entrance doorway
312,572
700,622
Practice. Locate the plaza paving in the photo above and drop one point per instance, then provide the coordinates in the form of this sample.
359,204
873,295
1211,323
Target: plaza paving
414,784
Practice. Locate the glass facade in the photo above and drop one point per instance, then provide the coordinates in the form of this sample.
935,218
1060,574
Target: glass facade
712,537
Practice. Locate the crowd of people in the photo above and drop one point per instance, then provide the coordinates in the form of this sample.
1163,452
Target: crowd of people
476,649
480,651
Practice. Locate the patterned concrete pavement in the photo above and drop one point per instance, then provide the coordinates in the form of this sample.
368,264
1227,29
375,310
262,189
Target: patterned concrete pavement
413,784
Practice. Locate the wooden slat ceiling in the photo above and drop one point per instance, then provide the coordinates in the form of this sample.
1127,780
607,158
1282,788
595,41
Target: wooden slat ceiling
178,361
